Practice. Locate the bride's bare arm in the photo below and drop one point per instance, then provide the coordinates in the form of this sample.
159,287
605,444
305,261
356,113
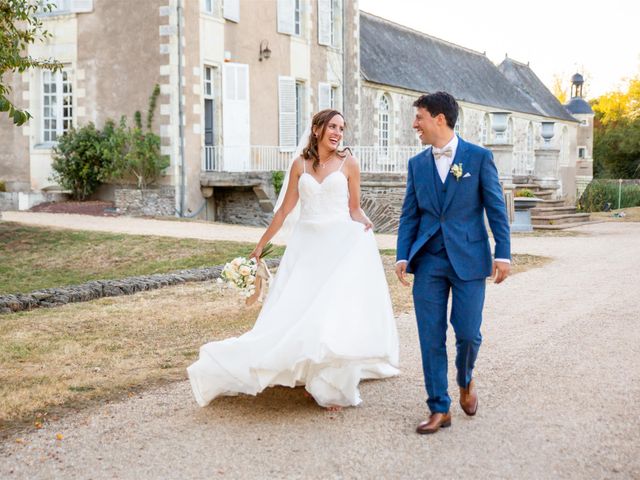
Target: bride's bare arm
355,210
289,202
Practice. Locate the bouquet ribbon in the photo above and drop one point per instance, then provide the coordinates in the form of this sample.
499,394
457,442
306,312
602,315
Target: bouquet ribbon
263,277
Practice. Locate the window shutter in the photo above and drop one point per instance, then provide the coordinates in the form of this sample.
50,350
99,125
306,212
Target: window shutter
287,116
231,10
81,6
324,95
286,13
324,22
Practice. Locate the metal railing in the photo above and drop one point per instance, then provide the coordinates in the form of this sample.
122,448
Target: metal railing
260,158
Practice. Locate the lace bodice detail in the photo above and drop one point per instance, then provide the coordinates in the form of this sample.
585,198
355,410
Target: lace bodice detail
326,200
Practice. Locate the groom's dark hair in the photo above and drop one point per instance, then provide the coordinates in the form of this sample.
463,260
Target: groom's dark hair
437,103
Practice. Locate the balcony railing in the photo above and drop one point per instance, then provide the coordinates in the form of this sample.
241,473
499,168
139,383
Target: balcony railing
259,158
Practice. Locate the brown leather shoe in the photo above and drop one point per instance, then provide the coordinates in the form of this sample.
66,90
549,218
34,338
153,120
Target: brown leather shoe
435,422
469,399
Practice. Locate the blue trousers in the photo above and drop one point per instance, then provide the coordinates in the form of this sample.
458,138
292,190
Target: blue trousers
434,279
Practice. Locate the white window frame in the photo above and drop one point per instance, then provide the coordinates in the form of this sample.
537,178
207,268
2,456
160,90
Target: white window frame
485,130
301,96
584,122
509,133
530,138
384,123
58,112
298,18
334,97
582,148
207,81
459,123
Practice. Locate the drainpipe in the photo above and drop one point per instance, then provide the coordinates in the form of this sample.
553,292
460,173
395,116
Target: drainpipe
344,56
180,113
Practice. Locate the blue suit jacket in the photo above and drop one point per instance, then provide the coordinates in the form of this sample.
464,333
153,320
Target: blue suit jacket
461,217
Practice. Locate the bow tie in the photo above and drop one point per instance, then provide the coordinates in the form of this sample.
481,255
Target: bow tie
446,152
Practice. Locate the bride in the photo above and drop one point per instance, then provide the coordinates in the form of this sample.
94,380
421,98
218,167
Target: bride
327,322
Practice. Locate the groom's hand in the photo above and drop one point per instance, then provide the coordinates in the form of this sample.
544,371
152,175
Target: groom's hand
500,271
401,272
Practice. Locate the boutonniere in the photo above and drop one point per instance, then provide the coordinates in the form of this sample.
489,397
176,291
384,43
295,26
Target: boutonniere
456,171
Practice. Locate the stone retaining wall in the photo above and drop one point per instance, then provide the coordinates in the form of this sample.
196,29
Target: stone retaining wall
8,201
382,196
159,201
239,205
53,297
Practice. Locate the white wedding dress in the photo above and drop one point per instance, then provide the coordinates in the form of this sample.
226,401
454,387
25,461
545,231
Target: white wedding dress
327,322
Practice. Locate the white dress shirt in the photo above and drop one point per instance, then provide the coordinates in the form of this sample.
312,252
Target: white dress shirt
443,164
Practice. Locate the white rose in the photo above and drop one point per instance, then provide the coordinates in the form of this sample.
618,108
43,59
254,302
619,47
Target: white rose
244,270
236,261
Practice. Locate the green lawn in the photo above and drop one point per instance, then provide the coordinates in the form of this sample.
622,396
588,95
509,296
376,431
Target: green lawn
33,258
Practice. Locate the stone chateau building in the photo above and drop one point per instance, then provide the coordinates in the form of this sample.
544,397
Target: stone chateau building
239,80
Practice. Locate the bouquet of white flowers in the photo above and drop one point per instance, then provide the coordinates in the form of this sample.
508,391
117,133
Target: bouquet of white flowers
249,276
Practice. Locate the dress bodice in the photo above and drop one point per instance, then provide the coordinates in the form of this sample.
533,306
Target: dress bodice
328,199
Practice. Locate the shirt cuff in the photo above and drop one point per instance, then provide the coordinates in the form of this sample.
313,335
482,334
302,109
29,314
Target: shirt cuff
400,261
505,260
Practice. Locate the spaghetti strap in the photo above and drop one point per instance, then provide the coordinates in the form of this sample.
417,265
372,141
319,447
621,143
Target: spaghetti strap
343,160
304,165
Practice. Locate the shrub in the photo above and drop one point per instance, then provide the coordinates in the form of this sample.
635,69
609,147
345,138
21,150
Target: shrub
86,157
3,186
600,192
78,162
133,151
525,192
277,177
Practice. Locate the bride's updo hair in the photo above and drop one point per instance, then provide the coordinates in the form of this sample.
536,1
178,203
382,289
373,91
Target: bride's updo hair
319,124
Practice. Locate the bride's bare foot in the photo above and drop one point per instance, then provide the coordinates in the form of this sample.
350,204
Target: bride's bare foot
306,394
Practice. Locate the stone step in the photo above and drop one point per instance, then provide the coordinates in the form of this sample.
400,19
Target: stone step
561,210
559,219
545,194
528,186
551,203
561,226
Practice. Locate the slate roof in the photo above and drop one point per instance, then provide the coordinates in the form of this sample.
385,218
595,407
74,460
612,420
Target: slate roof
532,87
578,105
391,54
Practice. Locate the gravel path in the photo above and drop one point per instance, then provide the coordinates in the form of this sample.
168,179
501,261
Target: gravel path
558,378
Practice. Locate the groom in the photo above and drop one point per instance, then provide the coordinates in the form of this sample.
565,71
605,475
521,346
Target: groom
443,241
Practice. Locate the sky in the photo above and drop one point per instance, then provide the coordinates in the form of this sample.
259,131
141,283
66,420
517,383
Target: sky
600,39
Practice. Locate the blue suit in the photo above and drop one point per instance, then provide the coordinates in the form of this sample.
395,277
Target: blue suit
443,237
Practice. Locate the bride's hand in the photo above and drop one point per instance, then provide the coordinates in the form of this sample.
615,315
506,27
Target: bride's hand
256,252
368,225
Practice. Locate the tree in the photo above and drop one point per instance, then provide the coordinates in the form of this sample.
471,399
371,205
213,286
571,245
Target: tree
20,26
559,89
616,143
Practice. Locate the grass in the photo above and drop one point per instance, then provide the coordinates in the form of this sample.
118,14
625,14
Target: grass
632,214
56,360
34,258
